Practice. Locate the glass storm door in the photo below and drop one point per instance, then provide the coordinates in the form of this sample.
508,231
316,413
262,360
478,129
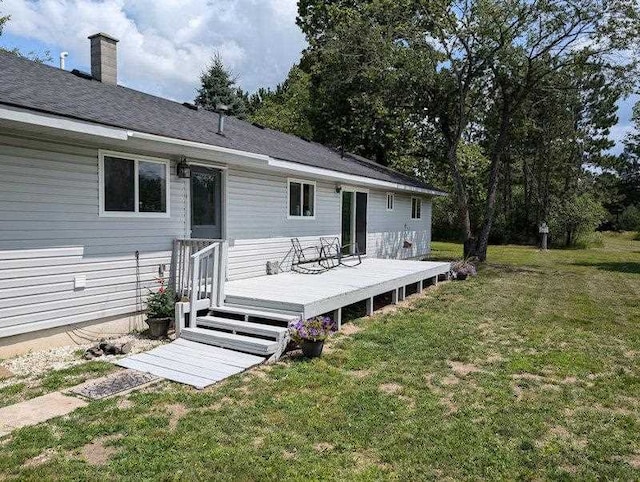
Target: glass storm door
354,221
206,203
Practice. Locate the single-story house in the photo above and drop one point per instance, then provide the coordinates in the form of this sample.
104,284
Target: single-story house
98,181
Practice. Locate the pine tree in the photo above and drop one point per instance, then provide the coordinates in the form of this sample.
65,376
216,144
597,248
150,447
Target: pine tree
219,88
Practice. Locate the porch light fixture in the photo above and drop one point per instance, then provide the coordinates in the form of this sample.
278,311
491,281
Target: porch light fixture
184,170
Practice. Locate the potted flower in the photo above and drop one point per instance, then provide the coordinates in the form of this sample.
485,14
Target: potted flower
463,269
310,334
160,310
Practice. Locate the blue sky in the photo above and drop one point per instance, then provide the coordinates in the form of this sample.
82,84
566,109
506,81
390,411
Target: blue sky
164,45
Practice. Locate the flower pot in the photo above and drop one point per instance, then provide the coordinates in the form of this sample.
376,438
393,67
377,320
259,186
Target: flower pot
312,349
159,327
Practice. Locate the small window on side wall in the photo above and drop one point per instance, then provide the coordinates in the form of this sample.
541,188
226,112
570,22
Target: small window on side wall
390,201
416,208
133,186
302,199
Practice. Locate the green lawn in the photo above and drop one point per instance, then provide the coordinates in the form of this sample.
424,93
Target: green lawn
528,371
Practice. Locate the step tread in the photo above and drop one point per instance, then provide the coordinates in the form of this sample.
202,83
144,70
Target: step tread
228,340
240,325
255,312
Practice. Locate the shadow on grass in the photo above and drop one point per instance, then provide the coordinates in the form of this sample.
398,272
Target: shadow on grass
619,267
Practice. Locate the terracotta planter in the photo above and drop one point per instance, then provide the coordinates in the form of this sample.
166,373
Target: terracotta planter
312,349
159,327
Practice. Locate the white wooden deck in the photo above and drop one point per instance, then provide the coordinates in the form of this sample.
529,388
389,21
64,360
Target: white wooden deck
191,363
314,294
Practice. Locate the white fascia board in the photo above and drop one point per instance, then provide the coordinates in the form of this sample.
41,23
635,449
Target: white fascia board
197,145
352,178
32,118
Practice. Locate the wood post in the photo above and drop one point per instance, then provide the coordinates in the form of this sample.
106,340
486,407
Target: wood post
420,287
401,293
370,306
337,318
394,297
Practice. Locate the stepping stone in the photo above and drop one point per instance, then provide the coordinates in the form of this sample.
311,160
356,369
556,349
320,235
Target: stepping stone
37,410
115,383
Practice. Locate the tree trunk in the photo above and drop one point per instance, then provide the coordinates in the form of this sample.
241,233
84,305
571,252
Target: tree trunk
490,205
461,196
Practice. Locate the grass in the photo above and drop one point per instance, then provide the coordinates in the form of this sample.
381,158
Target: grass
52,381
528,371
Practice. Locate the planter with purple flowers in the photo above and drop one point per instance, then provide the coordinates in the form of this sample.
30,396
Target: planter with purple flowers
310,334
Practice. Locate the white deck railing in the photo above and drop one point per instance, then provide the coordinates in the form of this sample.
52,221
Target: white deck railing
181,273
205,287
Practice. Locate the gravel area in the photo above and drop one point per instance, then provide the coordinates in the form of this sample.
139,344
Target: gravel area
33,365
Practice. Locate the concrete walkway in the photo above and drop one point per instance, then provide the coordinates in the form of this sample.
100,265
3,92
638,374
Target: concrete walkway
37,410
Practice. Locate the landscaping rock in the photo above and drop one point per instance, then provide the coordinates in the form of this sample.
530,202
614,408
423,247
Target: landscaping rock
5,373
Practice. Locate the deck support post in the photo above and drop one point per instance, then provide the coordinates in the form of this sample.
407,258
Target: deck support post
394,297
401,293
337,318
370,306
420,286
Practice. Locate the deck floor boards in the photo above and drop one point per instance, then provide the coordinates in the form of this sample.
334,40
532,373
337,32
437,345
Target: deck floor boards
191,363
310,293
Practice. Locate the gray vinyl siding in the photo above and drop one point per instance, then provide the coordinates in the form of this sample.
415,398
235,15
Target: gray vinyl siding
51,232
258,228
387,230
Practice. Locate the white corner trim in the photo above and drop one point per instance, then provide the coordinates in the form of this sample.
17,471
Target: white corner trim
26,116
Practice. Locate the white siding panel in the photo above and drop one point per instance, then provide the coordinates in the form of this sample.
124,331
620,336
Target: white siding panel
51,232
387,230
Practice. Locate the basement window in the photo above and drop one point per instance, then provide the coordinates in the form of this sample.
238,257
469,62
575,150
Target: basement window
416,208
133,185
391,199
302,199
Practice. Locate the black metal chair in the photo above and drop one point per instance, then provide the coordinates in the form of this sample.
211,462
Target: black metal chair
307,260
334,253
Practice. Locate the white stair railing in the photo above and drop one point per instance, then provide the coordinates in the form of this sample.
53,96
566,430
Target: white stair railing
208,269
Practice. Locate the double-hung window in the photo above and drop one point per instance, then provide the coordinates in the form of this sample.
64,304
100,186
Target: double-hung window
302,199
416,208
133,185
390,201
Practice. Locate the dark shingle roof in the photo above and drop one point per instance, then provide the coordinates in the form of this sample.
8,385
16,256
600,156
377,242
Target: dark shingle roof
40,87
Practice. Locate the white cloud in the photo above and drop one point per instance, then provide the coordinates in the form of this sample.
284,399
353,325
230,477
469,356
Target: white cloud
165,45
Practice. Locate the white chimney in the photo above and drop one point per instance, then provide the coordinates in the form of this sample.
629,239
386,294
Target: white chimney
104,58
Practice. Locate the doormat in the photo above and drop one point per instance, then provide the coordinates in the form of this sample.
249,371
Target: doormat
113,384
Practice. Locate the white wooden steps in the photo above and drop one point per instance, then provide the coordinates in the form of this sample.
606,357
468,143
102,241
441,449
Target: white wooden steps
245,329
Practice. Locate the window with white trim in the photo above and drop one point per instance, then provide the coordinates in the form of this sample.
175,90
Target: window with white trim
133,185
391,199
416,208
302,199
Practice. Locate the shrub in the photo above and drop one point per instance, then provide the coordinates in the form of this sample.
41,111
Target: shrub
630,219
589,240
578,215
161,303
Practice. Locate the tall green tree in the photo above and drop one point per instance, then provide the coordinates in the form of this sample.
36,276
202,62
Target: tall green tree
218,88
466,67
287,107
